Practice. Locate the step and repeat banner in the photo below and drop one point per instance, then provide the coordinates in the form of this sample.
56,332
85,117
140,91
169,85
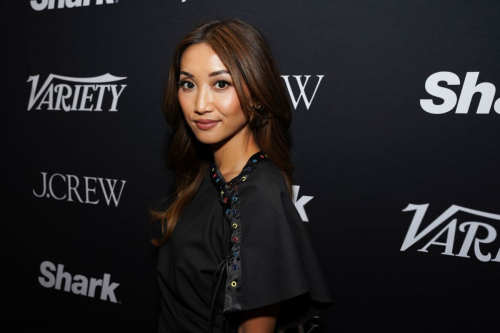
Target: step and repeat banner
395,139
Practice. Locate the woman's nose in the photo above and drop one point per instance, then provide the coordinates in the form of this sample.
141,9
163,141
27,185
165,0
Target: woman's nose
204,100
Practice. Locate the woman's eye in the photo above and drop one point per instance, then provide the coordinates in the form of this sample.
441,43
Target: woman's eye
221,84
186,85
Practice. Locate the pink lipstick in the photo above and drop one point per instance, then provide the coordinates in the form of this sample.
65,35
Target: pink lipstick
205,124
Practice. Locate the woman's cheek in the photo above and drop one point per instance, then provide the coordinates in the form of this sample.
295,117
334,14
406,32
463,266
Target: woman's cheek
229,104
184,102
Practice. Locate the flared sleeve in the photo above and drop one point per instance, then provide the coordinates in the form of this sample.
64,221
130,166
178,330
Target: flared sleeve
271,255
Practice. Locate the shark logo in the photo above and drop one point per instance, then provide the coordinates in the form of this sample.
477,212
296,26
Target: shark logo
39,5
469,89
77,284
300,203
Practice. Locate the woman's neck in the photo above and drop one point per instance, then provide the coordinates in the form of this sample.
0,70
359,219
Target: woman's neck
232,155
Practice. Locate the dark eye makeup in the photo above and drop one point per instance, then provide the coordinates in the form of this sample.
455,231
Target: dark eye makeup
219,85
182,84
224,84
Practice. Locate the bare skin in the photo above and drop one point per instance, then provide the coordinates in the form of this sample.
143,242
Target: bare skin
207,92
261,320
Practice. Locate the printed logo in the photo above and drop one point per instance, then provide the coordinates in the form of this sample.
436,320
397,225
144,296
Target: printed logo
300,203
75,94
470,87
39,5
302,87
79,285
476,233
69,188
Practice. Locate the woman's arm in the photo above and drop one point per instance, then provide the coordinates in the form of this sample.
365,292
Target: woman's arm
261,320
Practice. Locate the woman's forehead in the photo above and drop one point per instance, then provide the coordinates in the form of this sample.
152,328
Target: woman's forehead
201,59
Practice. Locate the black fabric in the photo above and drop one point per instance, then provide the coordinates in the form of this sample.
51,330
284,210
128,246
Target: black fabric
247,235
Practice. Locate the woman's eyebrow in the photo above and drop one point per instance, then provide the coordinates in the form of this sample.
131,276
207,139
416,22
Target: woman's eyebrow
187,74
223,71
219,73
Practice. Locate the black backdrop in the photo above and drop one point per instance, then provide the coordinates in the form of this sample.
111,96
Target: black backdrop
364,149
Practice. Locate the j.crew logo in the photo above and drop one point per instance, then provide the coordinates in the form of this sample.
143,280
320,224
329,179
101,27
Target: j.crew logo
477,233
302,87
50,4
469,88
75,93
65,187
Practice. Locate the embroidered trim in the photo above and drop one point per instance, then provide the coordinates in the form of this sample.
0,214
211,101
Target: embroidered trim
230,199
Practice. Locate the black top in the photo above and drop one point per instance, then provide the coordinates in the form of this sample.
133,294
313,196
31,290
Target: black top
239,245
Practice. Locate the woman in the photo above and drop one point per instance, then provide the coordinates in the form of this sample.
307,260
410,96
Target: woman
235,256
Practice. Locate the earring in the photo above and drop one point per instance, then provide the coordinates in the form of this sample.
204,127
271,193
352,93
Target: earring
260,107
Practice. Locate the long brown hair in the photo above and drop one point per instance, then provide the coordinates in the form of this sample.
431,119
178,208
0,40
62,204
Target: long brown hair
246,54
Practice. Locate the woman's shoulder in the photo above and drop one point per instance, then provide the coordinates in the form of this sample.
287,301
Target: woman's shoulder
260,183
274,257
264,177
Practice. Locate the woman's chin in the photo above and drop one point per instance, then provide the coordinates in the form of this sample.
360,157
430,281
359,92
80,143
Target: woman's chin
208,140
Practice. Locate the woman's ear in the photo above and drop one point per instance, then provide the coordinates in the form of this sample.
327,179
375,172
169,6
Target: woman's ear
252,102
255,104
252,106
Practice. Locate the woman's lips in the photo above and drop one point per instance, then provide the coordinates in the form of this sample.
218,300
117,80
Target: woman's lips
205,124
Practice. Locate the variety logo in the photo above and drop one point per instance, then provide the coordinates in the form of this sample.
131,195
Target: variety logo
445,227
469,88
51,4
299,204
69,188
75,94
79,285
302,87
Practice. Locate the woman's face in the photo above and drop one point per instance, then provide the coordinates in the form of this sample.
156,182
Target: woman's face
208,98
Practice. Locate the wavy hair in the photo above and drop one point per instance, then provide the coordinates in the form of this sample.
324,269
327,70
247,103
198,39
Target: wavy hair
246,54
